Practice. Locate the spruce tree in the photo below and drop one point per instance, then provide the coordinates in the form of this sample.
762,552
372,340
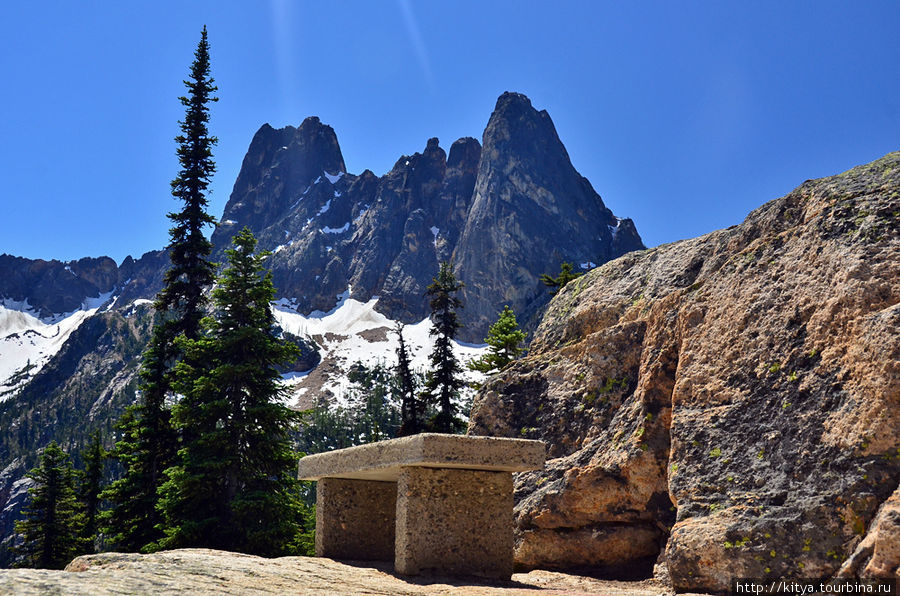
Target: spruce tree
504,342
234,486
149,443
89,491
410,408
189,249
52,524
566,274
444,381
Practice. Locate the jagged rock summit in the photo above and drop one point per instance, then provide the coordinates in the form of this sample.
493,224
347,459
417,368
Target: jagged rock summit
530,211
505,215
728,406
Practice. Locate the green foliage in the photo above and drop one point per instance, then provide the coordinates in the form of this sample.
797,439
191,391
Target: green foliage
146,449
374,411
373,399
90,488
52,527
444,381
566,274
504,342
191,271
234,485
148,444
411,409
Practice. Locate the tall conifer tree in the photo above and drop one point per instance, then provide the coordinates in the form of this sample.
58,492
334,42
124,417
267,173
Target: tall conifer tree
149,443
234,486
410,408
444,380
52,526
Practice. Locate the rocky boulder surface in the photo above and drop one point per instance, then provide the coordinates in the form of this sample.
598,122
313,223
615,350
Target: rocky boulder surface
199,571
729,404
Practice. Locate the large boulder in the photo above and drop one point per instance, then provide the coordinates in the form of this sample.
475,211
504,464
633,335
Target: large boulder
733,399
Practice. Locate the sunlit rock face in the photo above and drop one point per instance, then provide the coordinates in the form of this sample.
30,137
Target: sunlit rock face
732,400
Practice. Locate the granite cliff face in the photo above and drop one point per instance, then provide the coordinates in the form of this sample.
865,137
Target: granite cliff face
530,211
731,401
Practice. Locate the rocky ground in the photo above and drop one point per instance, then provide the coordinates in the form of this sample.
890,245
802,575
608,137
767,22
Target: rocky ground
731,400
198,572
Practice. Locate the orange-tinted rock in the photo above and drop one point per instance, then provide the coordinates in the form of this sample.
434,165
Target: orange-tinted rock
878,555
738,392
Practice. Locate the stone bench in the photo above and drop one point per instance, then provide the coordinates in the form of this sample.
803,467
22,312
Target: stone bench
432,503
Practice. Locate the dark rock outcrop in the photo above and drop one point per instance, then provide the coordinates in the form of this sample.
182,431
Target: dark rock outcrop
530,212
733,399
54,287
504,215
278,166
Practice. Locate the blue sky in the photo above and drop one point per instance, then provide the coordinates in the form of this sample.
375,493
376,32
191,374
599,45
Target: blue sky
684,115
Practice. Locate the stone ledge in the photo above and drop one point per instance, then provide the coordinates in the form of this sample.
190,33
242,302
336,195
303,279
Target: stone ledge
382,461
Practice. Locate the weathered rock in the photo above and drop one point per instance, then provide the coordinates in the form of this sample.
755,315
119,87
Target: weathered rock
199,572
878,555
744,385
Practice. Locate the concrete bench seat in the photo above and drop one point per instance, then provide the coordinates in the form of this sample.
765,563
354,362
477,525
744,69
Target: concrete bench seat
432,503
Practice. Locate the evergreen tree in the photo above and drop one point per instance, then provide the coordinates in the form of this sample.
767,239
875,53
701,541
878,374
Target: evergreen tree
444,379
504,342
410,408
149,443
566,274
53,520
189,249
234,486
89,492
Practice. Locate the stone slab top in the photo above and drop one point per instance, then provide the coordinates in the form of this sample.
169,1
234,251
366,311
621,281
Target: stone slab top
383,460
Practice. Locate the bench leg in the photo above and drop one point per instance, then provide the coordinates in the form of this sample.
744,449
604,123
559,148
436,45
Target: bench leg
355,519
454,522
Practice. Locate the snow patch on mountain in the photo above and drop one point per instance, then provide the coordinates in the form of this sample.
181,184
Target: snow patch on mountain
28,342
354,331
334,178
339,230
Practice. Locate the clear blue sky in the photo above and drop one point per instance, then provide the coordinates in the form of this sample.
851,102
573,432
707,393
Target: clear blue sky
684,115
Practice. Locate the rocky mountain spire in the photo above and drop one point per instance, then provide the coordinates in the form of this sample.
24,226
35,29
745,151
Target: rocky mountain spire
531,210
279,165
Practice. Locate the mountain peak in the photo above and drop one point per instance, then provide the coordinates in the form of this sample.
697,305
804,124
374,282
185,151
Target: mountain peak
512,100
279,165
